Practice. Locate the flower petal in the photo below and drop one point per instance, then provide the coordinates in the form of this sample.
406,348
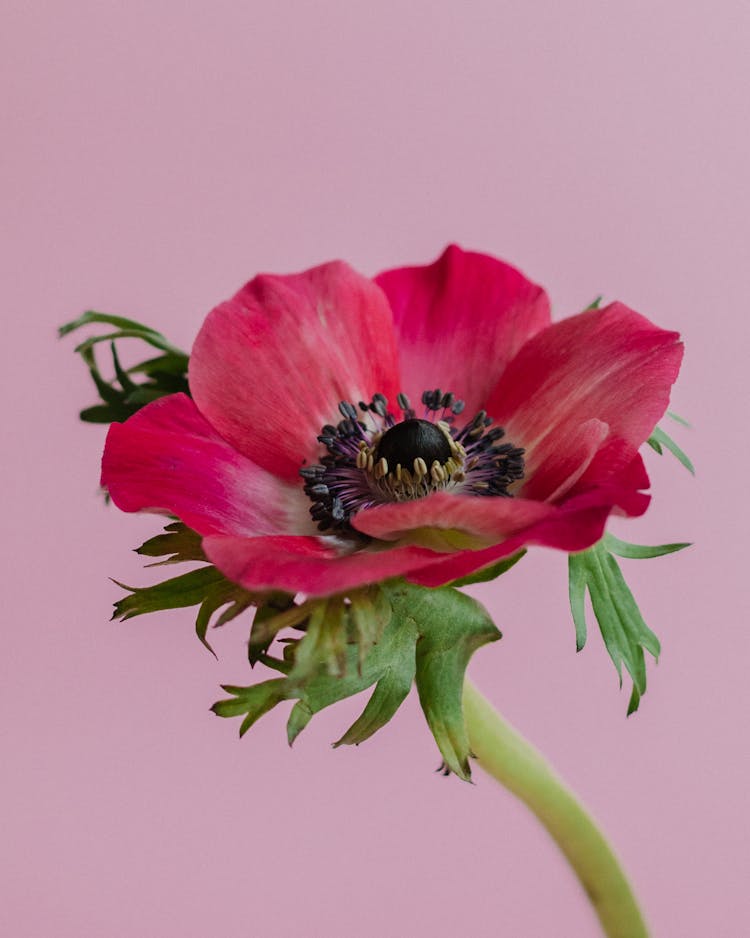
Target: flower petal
167,458
269,366
309,565
447,521
460,321
463,519
576,525
610,365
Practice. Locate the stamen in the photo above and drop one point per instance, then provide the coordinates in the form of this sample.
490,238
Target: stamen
396,460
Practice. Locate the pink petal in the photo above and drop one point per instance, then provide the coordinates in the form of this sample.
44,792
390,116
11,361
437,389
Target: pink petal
167,458
308,564
447,521
269,366
465,518
573,526
610,365
460,321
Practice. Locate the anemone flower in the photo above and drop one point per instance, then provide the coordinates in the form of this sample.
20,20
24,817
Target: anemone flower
423,424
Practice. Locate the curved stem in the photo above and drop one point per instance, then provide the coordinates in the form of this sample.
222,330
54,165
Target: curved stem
513,762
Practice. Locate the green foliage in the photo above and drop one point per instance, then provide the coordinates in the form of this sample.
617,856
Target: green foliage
489,573
125,394
415,634
659,441
640,551
625,634
204,587
177,541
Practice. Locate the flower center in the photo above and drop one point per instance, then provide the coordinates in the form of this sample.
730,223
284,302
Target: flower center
373,458
411,440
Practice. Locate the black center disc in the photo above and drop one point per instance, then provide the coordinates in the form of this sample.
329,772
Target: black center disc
411,439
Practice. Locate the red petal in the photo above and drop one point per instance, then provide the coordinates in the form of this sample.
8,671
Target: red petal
308,564
269,366
574,526
610,365
478,519
167,458
460,321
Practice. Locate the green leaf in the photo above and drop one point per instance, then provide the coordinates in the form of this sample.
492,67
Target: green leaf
414,634
189,589
126,328
595,304
324,642
392,688
451,626
123,395
659,441
370,614
252,701
621,624
577,596
178,543
205,587
100,413
677,419
489,573
640,551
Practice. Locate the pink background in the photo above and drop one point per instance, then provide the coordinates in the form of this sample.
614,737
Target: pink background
154,157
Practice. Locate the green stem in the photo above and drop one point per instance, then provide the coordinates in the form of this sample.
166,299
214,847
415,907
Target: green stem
513,762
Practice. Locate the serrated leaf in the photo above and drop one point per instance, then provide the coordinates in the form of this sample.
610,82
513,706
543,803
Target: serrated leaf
451,626
270,619
489,573
205,587
429,638
178,544
660,441
253,701
621,624
640,551
188,589
391,690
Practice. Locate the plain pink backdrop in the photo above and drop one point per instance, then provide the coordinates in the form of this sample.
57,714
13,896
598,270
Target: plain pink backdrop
155,156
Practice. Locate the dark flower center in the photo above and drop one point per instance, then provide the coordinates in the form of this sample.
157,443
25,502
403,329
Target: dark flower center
373,458
410,440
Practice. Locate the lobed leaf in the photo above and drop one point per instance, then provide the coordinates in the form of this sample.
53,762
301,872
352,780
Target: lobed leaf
623,629
428,638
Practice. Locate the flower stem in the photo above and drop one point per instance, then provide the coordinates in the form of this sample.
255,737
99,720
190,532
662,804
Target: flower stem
507,757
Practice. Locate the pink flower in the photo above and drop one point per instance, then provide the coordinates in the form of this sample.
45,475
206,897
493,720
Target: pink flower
318,454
